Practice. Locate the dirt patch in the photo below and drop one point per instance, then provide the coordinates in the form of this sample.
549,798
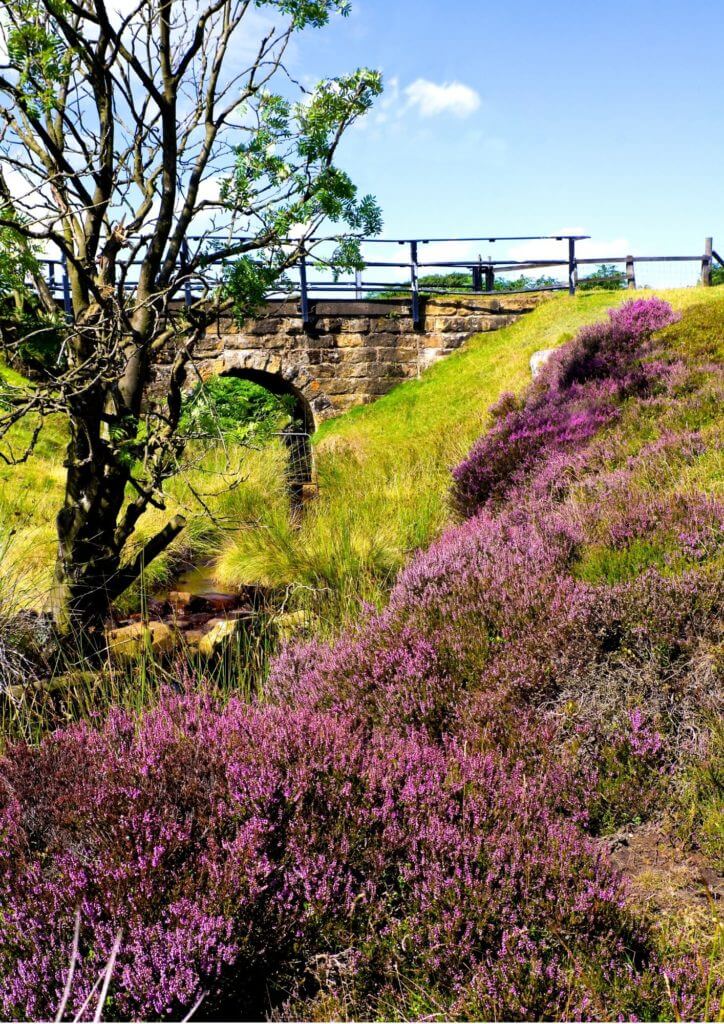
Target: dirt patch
678,886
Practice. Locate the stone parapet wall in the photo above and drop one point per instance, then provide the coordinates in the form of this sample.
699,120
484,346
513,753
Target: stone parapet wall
352,351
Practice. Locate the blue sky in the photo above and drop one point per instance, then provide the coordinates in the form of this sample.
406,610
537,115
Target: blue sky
533,118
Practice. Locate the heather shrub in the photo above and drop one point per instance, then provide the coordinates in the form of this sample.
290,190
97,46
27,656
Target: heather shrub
409,824
388,674
578,393
234,846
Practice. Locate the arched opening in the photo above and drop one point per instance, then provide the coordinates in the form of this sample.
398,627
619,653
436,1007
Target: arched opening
277,385
296,436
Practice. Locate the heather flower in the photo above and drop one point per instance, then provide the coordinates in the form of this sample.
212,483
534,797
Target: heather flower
579,392
232,843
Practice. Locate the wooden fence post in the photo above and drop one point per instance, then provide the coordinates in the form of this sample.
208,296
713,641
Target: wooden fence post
706,262
572,269
630,273
415,287
489,278
306,318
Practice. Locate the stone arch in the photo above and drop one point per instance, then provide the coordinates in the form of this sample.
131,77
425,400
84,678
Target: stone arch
300,468
270,373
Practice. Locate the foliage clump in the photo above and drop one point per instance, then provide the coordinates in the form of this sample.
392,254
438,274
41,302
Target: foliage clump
236,410
606,278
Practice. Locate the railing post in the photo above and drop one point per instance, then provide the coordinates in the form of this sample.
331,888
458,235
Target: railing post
306,319
358,284
51,276
706,262
572,268
415,286
67,304
184,265
489,278
478,277
630,273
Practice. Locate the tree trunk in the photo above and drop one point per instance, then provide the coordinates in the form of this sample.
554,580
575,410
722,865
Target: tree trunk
88,562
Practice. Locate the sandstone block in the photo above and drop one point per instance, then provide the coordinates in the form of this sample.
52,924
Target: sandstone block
354,325
349,356
366,369
449,341
211,368
340,403
352,339
392,325
395,371
268,325
210,346
128,643
336,386
222,632
383,339
377,387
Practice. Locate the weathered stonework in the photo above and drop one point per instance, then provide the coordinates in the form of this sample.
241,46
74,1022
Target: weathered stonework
352,352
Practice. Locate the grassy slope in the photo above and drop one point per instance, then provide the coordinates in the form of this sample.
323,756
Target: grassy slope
383,473
384,468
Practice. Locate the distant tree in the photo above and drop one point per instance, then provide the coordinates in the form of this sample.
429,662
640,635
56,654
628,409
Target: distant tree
524,283
120,126
606,278
462,281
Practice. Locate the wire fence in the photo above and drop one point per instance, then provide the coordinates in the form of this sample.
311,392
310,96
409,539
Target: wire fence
301,474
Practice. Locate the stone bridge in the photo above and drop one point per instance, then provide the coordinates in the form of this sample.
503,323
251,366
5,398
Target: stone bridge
351,352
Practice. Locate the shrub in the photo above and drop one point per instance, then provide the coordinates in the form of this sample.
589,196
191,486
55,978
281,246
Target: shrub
606,277
235,845
579,393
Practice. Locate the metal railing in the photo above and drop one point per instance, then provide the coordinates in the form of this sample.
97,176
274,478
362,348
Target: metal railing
310,284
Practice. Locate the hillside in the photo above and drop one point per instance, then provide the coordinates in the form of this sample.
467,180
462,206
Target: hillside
430,815
383,481
384,469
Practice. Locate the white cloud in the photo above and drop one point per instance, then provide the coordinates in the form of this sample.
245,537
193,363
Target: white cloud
431,99
425,98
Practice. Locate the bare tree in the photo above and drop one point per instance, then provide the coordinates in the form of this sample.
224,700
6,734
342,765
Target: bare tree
121,131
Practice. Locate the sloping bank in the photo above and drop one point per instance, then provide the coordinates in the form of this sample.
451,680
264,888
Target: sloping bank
410,823
384,469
